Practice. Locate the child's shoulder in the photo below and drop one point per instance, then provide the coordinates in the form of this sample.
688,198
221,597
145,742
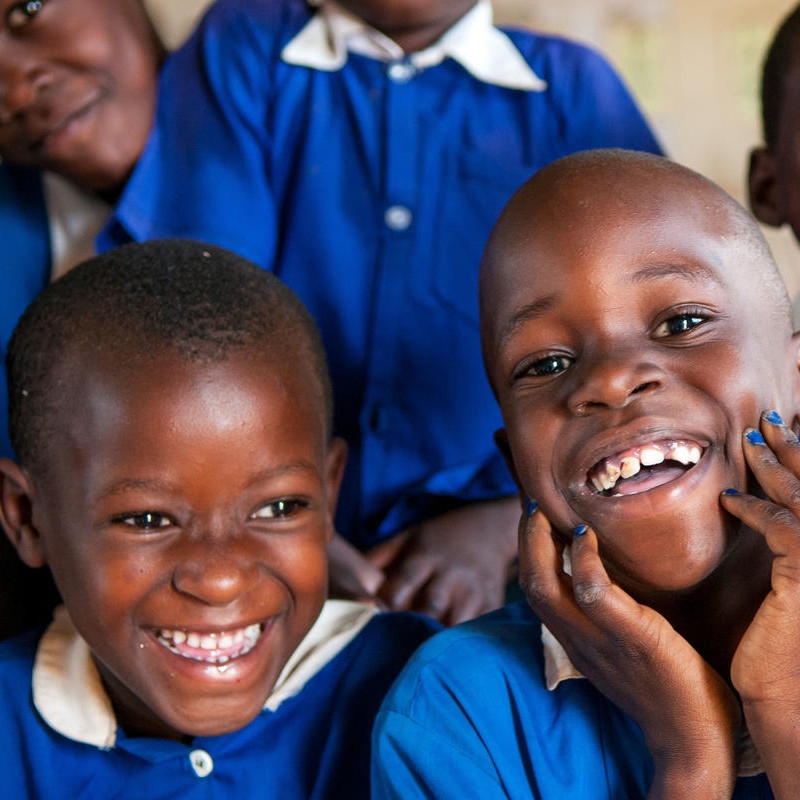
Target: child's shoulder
391,637
556,55
17,655
276,15
478,653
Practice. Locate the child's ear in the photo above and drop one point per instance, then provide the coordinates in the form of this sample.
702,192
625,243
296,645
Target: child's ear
765,201
337,460
16,514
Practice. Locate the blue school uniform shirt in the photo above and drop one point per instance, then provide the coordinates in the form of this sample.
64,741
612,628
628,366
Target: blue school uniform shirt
27,257
472,716
24,265
370,187
310,741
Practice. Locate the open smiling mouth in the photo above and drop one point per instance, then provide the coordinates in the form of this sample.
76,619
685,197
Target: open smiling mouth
642,468
211,648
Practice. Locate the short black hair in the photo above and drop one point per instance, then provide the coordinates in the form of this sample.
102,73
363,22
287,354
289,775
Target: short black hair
199,301
783,55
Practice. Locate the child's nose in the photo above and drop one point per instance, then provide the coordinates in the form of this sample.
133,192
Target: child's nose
216,572
614,381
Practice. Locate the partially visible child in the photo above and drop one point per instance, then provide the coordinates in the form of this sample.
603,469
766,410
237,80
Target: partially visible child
171,409
77,100
774,174
362,149
638,337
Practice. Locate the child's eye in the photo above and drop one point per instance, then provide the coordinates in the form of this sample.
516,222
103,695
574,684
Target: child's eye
551,364
680,323
20,14
146,521
280,508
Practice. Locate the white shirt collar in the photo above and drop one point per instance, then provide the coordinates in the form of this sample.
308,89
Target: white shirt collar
480,48
69,695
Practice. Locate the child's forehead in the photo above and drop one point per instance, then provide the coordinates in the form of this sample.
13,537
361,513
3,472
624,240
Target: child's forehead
608,234
610,228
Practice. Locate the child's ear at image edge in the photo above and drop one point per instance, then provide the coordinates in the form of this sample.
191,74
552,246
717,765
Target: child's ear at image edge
16,514
763,188
337,461
795,423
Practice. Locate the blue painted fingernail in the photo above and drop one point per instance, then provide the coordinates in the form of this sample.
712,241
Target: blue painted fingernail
754,437
580,530
732,492
773,417
531,506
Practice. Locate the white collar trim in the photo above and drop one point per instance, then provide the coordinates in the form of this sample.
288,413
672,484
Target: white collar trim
69,695
480,48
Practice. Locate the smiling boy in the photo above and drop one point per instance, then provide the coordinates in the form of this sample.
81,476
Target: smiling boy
172,411
362,150
634,328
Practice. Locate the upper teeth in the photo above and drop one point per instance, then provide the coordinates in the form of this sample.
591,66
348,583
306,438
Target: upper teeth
241,640
611,470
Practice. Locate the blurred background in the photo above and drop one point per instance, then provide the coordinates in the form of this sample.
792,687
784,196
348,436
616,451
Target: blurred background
693,66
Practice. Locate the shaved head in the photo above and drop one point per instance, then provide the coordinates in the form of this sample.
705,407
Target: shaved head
586,195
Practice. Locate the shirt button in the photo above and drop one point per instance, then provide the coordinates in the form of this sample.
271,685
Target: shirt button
401,71
201,762
398,218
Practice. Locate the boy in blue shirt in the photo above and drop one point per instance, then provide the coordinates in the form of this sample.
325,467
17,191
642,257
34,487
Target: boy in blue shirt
171,410
362,150
638,337
77,100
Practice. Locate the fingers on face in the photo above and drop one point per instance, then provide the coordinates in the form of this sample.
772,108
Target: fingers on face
773,455
556,596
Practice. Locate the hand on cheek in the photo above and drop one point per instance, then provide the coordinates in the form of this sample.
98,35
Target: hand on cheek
766,665
634,657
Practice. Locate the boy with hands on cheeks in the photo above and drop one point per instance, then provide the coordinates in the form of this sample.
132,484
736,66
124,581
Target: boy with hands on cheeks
635,330
171,410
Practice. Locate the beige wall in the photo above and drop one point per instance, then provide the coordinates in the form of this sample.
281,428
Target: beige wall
694,66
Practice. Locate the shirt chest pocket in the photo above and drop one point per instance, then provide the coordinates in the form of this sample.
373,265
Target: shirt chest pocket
475,188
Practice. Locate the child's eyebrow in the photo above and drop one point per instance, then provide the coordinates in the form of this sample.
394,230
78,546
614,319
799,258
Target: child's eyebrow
693,271
528,312
167,487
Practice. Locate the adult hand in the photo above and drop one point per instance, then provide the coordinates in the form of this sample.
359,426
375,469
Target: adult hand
688,715
766,666
452,567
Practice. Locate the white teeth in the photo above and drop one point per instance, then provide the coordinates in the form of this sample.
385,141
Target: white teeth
680,454
217,646
629,467
609,472
650,456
